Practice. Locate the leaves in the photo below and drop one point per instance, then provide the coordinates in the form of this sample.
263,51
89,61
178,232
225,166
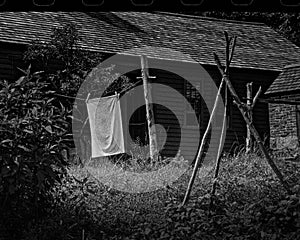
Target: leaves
286,24
24,148
20,80
32,124
49,129
6,141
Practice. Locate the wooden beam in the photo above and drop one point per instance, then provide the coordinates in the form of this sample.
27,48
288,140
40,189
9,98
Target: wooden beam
264,100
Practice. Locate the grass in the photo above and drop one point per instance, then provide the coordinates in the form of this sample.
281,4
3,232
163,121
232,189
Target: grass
136,176
250,204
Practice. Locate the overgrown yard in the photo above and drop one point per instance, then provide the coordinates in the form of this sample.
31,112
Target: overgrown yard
42,197
250,204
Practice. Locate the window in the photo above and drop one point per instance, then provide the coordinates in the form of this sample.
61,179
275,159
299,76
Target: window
197,106
193,107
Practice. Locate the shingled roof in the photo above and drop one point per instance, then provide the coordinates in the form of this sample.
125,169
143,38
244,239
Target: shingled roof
287,81
258,46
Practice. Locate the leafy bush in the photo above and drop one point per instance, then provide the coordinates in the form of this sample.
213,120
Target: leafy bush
35,124
70,69
69,65
34,130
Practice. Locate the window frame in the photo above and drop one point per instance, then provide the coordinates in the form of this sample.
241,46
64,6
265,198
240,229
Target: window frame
188,109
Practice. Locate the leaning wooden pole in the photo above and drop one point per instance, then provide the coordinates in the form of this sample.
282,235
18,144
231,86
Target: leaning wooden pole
244,109
249,103
200,151
149,111
199,158
218,158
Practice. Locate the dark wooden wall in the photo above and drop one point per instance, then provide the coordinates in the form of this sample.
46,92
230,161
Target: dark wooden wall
236,133
11,58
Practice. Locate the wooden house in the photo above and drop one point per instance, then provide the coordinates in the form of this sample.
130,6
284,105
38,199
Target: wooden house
260,55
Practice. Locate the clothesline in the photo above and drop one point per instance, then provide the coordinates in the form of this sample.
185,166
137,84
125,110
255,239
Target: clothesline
82,99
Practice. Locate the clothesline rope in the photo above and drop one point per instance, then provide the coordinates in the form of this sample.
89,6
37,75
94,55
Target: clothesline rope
82,99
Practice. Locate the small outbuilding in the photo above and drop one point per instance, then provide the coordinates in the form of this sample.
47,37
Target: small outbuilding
284,108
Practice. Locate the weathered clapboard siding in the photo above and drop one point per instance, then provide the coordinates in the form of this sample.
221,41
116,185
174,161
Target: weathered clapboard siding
236,133
11,56
176,105
189,137
240,77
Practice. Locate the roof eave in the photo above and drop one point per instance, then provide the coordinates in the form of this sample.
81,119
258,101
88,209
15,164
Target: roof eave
26,43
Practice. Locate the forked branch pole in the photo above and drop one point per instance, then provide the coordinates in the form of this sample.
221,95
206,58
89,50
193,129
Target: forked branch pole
243,109
223,132
198,162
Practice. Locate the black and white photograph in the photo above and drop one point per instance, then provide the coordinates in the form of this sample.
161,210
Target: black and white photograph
129,124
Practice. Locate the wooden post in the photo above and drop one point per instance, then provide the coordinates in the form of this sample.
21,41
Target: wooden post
149,111
244,109
298,126
249,103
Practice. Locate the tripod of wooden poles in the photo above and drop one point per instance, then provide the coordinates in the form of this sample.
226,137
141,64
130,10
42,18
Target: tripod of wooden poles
245,109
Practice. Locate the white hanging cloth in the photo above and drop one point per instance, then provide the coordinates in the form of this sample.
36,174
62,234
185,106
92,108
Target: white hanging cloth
106,126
